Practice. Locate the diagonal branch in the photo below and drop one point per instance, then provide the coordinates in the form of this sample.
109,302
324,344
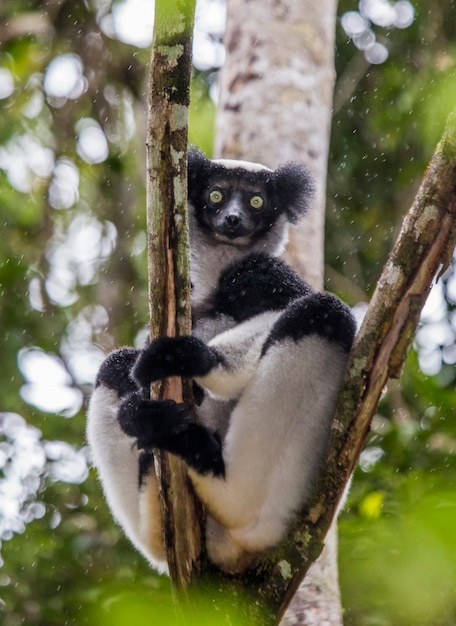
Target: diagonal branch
423,250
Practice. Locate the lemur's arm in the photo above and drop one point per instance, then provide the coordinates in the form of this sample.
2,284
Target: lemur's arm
224,366
185,356
118,406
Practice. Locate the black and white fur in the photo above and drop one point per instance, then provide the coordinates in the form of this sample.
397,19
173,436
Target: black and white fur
269,353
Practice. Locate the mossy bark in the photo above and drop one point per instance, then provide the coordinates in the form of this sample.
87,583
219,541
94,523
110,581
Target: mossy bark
168,256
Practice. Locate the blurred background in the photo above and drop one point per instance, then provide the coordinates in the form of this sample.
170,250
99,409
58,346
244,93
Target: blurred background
73,284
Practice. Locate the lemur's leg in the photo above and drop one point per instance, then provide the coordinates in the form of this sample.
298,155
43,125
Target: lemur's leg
279,431
127,475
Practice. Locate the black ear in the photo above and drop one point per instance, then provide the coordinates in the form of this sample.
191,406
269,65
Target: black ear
198,171
115,371
294,188
197,161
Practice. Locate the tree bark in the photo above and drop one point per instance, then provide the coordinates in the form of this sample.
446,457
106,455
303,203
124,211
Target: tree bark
276,98
275,106
168,258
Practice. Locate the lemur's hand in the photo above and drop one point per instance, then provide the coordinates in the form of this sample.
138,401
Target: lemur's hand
171,426
149,421
174,356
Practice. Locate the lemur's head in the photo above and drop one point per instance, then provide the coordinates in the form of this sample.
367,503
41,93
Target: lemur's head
238,202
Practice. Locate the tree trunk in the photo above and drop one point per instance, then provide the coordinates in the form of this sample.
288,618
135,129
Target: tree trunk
276,100
276,106
168,258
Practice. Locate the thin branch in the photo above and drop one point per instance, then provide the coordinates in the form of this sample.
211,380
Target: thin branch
168,262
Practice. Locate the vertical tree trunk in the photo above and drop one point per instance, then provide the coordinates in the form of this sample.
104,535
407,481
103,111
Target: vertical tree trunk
168,256
276,100
276,105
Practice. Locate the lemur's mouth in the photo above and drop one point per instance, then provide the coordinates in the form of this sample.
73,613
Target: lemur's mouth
233,238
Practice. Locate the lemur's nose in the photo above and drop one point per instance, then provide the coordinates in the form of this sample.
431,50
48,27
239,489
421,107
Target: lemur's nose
232,220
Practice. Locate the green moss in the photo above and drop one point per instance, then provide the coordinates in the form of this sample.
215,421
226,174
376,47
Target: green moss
448,142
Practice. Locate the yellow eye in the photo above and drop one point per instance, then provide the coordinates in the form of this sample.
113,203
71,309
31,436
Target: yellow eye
256,202
216,196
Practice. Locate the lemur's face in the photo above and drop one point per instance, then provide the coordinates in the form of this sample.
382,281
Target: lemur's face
237,202
235,209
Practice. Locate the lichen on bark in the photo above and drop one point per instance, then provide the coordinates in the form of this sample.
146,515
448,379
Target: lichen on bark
168,257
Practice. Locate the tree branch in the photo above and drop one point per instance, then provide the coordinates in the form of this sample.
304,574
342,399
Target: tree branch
168,262
423,250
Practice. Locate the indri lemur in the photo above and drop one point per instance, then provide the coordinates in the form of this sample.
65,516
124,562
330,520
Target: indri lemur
267,353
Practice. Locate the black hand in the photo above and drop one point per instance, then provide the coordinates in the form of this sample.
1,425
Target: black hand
167,425
174,356
149,420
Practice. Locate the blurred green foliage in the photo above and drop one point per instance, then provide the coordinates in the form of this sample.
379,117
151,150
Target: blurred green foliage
397,547
72,565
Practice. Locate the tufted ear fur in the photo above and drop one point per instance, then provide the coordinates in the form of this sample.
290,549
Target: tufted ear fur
198,170
295,188
196,160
